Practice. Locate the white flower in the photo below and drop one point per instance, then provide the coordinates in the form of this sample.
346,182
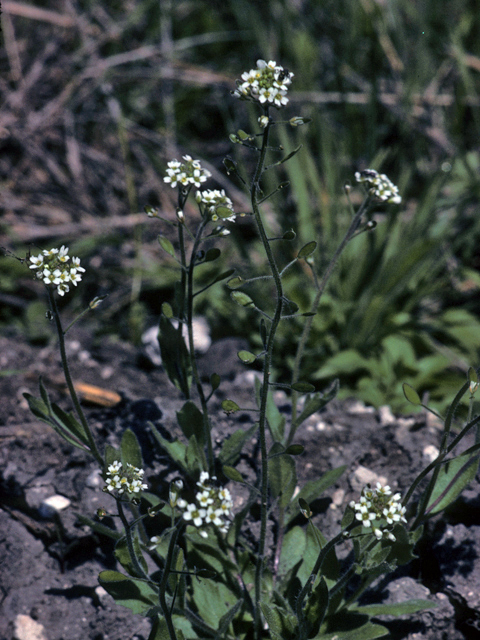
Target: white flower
37,262
214,516
267,84
195,514
379,186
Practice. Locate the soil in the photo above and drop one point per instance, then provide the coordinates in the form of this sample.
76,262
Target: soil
49,561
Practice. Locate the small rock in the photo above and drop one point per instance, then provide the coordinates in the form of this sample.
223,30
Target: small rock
430,453
94,479
25,628
201,338
363,476
52,505
386,415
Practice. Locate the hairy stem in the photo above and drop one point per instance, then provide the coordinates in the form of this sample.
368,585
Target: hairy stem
309,321
254,189
68,378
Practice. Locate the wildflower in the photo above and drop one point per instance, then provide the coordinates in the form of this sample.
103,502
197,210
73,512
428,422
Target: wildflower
189,172
267,84
379,186
376,507
128,481
212,505
51,267
195,514
214,199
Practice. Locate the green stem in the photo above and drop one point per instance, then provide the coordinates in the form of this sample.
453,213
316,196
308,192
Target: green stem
131,549
309,321
68,378
196,377
266,377
163,585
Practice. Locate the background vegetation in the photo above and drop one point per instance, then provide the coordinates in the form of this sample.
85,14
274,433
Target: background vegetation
98,96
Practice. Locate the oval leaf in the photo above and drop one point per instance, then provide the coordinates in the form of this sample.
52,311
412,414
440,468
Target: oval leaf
167,310
242,299
289,235
247,357
212,254
410,394
307,249
166,245
215,381
233,474
234,283
303,387
229,406
295,449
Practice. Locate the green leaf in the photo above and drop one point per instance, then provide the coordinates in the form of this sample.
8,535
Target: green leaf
69,423
303,387
233,445
289,307
213,600
123,556
452,479
98,527
167,310
243,135
134,594
61,422
281,623
175,357
315,541
367,631
289,235
212,254
275,420
215,381
223,275
236,282
226,619
190,419
315,402
293,548
130,448
307,249
317,607
395,609
242,299
195,456
160,629
295,450
166,245
410,394
282,476
229,406
176,449
44,394
224,212
247,357
233,474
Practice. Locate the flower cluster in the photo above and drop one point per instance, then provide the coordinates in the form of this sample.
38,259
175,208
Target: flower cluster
379,186
212,505
213,199
186,173
128,481
377,506
267,84
54,266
